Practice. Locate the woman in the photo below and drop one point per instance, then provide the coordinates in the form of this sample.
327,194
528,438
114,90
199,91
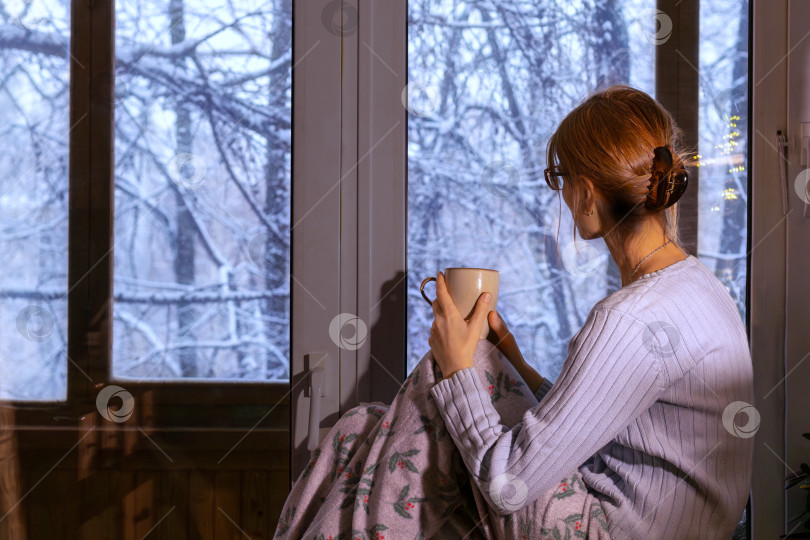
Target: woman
641,408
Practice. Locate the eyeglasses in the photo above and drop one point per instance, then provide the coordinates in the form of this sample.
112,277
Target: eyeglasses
551,174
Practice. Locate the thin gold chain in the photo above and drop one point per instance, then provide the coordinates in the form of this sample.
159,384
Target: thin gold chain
645,258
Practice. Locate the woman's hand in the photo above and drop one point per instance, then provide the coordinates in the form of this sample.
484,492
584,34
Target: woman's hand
453,339
500,335
502,338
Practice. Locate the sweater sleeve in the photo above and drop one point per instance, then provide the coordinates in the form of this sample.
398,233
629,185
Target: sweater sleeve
545,386
611,376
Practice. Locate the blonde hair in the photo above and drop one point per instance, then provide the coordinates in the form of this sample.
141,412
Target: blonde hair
610,139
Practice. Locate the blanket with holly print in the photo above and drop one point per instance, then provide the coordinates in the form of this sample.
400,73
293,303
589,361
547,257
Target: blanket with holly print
393,472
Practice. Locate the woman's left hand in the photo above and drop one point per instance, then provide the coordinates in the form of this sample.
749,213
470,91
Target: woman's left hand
452,338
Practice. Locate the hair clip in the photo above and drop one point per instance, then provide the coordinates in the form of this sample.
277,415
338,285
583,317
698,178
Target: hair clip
666,185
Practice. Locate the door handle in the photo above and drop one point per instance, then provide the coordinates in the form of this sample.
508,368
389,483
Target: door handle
316,377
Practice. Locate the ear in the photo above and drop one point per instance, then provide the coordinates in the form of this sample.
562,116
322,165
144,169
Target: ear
589,200
588,192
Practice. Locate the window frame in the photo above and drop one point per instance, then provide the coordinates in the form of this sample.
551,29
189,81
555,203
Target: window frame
91,188
677,88
768,263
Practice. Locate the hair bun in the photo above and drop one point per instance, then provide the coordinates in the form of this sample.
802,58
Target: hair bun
667,184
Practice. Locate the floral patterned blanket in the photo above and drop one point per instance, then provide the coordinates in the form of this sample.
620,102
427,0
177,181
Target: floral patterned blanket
394,472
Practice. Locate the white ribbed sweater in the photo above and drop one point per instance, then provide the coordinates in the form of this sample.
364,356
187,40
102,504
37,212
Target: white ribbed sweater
637,409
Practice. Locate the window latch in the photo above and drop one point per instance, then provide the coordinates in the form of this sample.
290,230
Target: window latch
316,366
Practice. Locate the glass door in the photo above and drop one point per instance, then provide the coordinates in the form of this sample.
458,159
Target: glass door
161,240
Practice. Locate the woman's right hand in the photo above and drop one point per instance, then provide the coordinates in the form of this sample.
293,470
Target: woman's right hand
502,338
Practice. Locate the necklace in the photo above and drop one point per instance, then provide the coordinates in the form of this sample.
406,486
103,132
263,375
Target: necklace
645,258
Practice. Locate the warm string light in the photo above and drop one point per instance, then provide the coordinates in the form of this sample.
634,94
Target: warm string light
727,147
730,144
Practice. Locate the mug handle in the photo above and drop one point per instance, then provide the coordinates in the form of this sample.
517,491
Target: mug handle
422,289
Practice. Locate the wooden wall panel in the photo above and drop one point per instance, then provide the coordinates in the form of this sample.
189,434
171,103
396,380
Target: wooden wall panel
202,494
127,505
12,525
52,509
227,500
145,493
109,481
255,499
168,504
171,506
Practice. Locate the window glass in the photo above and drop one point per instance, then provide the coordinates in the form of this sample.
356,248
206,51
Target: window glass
34,84
488,84
202,189
723,143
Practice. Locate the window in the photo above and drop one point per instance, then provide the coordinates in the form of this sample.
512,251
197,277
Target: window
202,190
723,142
201,246
488,84
34,200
